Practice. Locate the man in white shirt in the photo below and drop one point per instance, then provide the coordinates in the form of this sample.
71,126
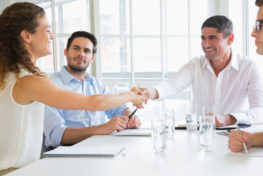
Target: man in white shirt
220,78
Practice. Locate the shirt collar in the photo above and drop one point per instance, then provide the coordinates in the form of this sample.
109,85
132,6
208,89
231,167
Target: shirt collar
67,77
233,63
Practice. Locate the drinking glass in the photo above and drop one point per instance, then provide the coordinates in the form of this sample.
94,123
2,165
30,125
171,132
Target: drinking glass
191,122
207,126
169,122
158,134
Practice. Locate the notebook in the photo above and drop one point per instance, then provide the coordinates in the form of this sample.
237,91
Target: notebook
252,152
87,151
134,132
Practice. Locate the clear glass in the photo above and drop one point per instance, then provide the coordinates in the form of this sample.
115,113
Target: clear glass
147,55
114,17
207,127
158,135
191,121
146,21
191,116
169,120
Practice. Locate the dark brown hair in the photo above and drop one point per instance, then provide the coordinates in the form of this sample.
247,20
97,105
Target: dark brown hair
15,18
83,34
259,3
221,23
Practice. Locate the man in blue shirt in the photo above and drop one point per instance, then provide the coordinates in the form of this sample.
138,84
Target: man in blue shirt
66,127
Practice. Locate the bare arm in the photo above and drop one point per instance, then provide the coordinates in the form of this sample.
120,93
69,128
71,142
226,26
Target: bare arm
36,88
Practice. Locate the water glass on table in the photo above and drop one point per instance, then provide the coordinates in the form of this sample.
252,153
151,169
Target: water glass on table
207,127
169,122
191,122
158,134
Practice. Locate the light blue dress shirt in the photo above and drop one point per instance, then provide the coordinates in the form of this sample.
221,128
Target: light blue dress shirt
57,120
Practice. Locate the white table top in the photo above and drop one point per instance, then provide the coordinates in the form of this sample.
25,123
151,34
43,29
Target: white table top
183,156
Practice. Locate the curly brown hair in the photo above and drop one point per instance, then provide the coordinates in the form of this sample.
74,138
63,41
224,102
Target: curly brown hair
15,18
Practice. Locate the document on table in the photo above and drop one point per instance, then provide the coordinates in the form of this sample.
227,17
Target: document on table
87,151
252,152
134,132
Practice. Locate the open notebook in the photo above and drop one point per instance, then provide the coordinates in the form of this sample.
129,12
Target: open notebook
252,152
87,151
134,132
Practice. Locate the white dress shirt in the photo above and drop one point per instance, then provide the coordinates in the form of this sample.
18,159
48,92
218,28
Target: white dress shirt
240,79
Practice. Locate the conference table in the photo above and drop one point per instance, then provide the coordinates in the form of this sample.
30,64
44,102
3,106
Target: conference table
183,156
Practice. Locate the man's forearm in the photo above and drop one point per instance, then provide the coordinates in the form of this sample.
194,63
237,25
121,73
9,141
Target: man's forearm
75,135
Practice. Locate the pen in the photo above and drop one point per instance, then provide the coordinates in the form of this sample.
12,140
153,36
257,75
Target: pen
243,143
130,116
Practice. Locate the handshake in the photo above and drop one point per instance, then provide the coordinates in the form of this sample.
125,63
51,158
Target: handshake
140,95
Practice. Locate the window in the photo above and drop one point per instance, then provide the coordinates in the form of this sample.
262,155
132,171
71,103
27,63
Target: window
65,17
142,42
142,47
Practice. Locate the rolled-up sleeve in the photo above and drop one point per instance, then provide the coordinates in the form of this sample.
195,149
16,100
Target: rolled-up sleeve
114,111
54,126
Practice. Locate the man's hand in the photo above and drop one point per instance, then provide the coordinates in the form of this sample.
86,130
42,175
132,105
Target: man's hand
117,123
235,140
134,122
223,120
139,97
150,92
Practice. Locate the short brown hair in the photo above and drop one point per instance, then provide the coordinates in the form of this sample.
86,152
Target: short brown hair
15,18
259,3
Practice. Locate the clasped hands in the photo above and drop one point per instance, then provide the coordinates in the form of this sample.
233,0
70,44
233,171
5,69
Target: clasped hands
141,96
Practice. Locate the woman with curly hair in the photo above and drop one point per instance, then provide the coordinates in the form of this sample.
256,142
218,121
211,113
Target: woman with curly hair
24,89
